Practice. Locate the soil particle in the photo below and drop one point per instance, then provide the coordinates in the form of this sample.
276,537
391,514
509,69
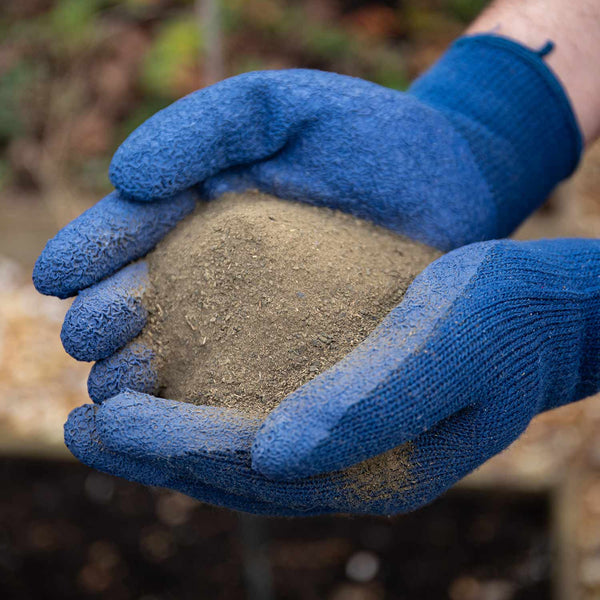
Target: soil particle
252,296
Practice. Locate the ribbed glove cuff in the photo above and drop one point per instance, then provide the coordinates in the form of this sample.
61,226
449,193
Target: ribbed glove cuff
515,115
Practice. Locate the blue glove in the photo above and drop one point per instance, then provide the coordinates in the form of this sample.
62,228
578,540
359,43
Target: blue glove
487,337
466,155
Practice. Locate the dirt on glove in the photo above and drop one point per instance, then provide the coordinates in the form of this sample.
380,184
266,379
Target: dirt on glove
252,296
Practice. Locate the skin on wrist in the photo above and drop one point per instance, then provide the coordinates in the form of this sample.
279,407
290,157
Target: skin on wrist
574,27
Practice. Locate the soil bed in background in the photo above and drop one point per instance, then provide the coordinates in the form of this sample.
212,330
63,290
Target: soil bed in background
69,532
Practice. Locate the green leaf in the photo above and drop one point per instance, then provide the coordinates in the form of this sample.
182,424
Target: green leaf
396,79
466,10
72,21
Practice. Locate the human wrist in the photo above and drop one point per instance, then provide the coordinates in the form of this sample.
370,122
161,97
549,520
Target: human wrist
574,27
512,110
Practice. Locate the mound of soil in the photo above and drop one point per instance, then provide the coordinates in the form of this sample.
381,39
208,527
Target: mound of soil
252,296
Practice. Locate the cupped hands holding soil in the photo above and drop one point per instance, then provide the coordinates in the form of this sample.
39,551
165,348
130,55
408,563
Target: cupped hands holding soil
252,296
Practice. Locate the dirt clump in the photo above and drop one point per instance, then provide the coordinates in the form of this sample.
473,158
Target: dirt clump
252,296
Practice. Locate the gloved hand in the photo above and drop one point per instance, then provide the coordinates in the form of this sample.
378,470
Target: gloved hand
472,149
487,337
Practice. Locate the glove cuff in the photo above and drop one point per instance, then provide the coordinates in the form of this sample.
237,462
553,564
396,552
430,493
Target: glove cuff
515,115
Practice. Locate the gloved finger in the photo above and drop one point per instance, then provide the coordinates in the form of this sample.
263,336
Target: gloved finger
398,481
214,444
107,315
236,121
82,440
403,379
134,367
299,175
112,233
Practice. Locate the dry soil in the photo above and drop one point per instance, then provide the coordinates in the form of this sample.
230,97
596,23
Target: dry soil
252,296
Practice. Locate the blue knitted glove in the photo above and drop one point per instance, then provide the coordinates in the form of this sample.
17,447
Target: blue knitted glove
474,147
487,337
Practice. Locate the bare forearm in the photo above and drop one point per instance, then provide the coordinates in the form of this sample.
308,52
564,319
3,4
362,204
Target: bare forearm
574,27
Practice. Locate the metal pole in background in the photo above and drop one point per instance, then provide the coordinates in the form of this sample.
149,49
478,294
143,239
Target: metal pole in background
252,529
208,15
254,538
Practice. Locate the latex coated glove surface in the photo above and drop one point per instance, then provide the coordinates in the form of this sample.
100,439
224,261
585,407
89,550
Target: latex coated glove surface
319,137
487,337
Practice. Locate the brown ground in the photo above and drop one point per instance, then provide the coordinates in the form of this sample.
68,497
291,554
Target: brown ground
253,296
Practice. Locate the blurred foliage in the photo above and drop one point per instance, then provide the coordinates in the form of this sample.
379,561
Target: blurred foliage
174,50
15,82
76,76
71,22
466,10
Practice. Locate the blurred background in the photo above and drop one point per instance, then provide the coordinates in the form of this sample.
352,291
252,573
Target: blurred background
76,76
